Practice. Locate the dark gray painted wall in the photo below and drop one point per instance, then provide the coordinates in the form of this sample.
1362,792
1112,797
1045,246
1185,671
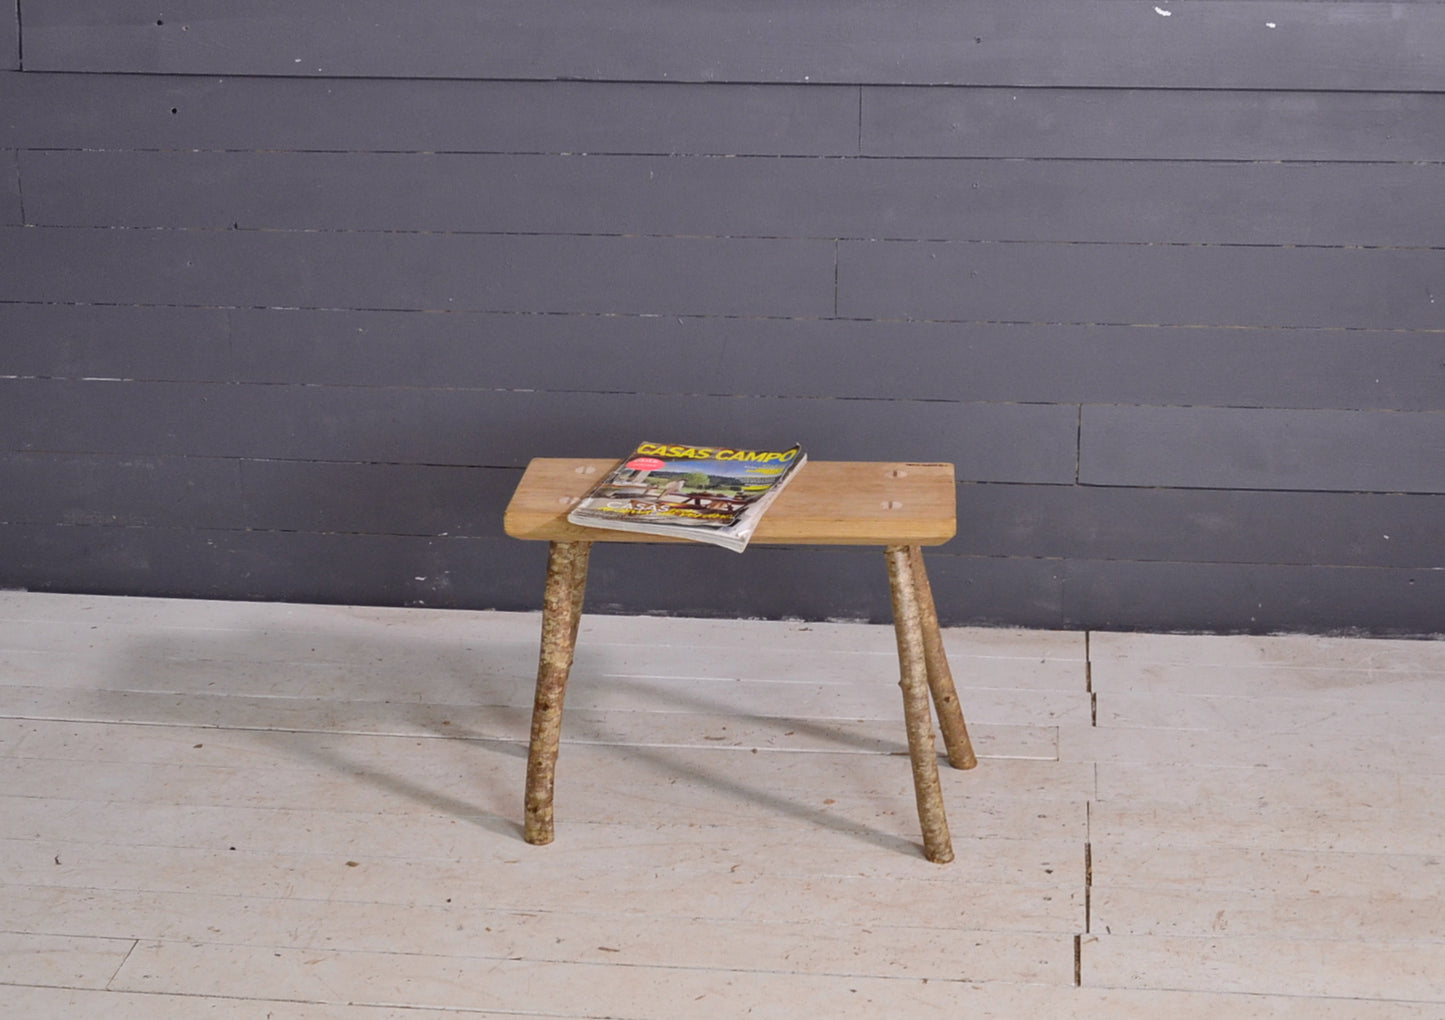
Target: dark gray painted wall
288,300
1315,44
10,39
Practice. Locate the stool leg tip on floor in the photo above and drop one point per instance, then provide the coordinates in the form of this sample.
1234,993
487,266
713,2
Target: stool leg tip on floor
943,855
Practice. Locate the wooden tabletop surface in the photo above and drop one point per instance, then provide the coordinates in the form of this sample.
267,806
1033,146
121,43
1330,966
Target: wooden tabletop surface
826,503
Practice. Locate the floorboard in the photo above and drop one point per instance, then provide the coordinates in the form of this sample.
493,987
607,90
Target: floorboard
233,810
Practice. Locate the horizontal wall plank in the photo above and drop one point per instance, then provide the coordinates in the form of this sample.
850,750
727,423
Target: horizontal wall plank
979,200
1176,284
1182,285
119,491
438,272
272,566
998,442
1256,448
118,342
812,357
11,210
1212,43
389,499
1252,598
808,584
1040,521
1143,124
69,111
1201,525
767,582
265,495
443,573
10,40
65,111
841,358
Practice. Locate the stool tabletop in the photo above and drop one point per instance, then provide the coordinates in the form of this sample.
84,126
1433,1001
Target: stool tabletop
826,503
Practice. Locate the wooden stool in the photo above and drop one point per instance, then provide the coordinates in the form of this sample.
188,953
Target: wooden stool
901,507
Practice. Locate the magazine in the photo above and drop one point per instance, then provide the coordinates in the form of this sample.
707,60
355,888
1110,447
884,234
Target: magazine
706,493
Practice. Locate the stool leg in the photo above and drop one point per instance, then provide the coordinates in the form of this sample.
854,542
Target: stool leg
940,677
913,678
561,614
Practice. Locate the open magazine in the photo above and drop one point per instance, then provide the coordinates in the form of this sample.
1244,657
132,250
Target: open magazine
706,493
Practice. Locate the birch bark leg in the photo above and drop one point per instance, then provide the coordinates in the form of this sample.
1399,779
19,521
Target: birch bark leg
917,714
940,676
561,614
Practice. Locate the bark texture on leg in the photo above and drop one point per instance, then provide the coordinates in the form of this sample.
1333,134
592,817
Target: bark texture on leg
940,676
561,614
913,678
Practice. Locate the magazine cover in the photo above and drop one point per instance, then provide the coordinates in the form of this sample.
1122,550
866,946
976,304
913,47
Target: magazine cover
706,493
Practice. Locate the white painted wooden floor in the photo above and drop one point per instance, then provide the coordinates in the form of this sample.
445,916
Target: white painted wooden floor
238,810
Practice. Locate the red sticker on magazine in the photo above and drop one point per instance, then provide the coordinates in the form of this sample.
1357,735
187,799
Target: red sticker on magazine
646,464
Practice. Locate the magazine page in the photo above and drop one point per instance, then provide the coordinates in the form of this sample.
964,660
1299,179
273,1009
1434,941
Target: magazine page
705,493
